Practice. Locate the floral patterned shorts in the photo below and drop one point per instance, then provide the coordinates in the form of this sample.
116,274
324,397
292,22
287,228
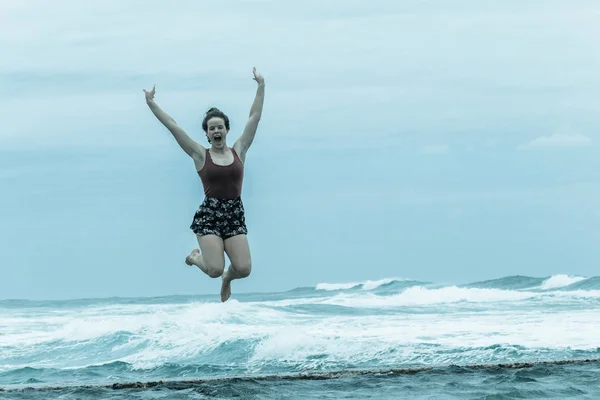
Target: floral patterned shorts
224,218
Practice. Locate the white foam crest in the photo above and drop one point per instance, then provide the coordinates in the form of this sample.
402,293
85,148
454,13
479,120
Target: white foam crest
557,281
329,287
370,285
365,285
88,324
420,296
162,332
436,338
190,333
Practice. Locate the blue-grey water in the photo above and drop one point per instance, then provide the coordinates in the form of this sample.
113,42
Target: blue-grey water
331,341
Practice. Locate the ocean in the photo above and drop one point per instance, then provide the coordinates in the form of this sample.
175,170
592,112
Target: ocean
507,338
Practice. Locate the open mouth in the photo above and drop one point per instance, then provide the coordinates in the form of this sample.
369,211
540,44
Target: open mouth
217,137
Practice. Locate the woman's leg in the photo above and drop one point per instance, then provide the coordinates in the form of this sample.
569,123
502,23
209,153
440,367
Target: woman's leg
211,257
238,251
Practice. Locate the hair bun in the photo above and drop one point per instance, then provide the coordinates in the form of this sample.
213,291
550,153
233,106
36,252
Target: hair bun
213,110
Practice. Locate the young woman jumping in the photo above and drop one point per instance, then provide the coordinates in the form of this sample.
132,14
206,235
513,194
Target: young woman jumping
219,223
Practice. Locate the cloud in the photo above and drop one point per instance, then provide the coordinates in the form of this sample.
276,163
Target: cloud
435,149
71,80
568,139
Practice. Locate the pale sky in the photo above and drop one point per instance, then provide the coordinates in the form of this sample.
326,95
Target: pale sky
447,141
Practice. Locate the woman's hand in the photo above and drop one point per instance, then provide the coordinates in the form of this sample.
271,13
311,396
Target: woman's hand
258,77
150,94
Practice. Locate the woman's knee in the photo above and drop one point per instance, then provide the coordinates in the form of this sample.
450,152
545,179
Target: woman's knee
242,269
215,270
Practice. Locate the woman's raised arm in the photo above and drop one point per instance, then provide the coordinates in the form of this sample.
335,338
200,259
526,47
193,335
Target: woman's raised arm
247,137
192,148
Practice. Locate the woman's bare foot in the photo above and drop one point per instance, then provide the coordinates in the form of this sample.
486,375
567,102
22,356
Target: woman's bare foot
225,287
189,260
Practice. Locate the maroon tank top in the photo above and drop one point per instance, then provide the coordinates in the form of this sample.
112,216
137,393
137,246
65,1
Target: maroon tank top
222,181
